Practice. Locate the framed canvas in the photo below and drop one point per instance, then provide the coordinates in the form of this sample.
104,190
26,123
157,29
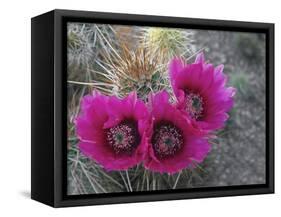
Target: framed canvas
134,108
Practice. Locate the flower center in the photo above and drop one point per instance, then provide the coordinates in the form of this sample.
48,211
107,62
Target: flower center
167,139
194,105
124,137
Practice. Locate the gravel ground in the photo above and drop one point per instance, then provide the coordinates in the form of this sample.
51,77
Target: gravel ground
238,155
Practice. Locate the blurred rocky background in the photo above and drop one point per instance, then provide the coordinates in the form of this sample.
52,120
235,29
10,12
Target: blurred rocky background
238,153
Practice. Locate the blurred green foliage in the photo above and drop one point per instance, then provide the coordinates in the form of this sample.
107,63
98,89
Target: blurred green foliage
239,81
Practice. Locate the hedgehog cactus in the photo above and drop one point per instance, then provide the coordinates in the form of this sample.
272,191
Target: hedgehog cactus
115,66
136,70
169,42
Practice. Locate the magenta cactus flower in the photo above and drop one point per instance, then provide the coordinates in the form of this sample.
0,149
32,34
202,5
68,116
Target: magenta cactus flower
112,130
173,145
201,92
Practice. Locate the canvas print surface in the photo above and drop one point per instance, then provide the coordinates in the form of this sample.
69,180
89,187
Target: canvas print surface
152,108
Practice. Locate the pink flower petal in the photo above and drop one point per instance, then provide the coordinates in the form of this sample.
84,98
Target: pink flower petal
101,113
208,83
194,147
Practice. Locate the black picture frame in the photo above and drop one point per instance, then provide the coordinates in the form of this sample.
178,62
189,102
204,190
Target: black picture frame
48,148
